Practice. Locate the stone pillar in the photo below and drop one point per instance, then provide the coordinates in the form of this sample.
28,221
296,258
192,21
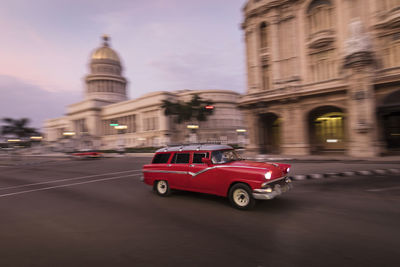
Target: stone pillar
294,131
253,132
274,49
252,60
359,65
363,139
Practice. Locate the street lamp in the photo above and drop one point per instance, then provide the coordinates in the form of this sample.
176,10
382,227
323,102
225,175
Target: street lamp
193,135
68,145
66,134
14,140
35,143
120,127
241,136
121,131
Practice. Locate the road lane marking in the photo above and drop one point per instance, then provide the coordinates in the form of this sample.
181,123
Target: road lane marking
66,185
66,179
383,189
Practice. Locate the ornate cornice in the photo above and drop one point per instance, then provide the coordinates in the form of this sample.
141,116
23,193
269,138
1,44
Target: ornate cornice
255,10
289,93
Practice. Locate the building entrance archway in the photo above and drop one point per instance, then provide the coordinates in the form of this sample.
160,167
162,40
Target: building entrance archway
327,130
270,133
389,113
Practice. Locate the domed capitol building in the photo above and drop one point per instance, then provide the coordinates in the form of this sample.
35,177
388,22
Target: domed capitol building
87,123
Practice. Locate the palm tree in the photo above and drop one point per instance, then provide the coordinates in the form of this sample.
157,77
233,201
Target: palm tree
187,111
18,128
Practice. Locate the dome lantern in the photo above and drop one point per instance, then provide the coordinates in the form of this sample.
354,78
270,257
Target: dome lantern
105,52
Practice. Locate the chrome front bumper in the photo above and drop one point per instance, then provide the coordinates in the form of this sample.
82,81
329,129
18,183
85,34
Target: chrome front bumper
273,190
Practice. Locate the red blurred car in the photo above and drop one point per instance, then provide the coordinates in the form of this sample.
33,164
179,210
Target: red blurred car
218,170
87,154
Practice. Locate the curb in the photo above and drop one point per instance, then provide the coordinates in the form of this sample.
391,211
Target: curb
301,177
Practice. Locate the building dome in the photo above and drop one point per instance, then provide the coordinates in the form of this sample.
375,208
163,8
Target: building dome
105,81
105,52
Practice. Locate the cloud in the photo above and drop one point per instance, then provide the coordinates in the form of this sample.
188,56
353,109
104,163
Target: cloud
20,99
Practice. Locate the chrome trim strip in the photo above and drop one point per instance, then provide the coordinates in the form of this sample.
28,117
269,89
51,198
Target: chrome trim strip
160,171
194,174
223,166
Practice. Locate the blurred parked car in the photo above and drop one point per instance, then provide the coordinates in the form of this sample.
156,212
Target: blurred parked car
87,154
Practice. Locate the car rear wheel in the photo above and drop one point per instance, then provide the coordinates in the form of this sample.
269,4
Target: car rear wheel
241,197
162,188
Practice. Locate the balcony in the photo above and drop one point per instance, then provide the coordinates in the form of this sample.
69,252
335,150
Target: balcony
391,19
321,39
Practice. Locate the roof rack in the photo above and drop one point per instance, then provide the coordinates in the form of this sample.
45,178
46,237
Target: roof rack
192,146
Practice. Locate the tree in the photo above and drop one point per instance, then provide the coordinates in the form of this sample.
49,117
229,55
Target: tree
18,128
196,109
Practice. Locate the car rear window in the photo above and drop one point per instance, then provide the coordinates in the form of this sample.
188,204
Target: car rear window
181,158
161,158
198,156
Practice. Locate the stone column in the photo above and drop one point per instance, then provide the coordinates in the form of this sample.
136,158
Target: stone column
252,60
359,65
363,139
294,131
93,123
253,132
274,48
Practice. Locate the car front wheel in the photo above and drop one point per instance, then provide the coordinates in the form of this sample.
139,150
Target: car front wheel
240,196
162,188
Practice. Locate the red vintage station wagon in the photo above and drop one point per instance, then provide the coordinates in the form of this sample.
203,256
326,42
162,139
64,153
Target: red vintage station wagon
216,169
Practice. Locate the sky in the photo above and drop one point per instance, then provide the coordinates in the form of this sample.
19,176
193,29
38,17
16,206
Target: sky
164,45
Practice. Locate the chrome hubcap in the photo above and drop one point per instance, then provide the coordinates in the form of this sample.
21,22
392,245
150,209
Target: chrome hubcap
241,197
162,187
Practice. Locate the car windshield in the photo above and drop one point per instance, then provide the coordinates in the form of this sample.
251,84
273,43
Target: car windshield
224,156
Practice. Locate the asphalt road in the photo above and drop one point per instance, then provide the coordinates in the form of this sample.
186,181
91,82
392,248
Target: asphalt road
98,213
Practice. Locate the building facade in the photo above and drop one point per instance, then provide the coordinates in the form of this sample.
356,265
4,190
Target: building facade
87,123
323,76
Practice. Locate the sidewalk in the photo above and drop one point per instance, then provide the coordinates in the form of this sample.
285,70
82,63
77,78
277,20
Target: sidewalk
319,158
325,166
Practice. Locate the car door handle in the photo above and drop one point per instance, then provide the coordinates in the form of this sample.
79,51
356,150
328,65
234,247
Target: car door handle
191,165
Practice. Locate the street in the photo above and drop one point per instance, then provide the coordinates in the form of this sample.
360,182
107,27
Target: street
99,213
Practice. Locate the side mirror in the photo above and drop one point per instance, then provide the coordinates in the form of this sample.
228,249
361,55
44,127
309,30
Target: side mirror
206,161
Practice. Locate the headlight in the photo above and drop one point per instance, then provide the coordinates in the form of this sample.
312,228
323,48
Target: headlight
287,170
268,175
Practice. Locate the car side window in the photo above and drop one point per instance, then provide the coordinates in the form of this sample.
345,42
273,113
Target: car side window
198,156
161,158
181,158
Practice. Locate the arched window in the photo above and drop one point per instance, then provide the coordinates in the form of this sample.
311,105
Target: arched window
319,16
263,35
